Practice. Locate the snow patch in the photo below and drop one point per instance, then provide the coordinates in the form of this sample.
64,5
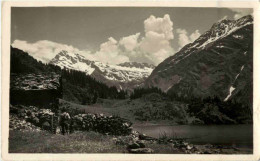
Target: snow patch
239,72
231,89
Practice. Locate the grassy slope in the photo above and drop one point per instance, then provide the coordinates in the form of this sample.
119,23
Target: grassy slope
82,142
124,108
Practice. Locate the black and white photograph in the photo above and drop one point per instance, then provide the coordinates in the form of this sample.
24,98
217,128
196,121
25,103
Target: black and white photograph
131,80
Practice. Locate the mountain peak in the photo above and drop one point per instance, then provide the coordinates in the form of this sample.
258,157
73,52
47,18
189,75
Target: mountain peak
225,26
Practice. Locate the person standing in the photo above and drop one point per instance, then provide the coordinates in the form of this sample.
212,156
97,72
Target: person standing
65,123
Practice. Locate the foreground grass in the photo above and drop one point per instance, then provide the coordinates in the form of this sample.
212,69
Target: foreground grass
44,142
80,142
91,142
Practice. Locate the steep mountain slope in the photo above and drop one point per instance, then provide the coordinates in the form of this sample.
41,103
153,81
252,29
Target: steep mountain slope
219,63
123,76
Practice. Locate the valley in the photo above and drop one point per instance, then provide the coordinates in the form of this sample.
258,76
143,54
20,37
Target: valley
203,89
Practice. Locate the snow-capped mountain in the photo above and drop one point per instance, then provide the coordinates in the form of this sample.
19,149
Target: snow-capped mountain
219,63
73,61
124,75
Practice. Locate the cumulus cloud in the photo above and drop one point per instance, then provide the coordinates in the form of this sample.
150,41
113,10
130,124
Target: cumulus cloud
152,48
111,57
158,56
130,42
160,25
45,50
109,46
194,35
156,43
185,39
240,12
110,53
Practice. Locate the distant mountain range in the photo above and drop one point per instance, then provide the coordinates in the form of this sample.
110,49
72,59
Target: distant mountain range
124,76
219,63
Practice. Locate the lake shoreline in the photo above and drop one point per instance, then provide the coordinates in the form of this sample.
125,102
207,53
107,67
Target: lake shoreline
239,136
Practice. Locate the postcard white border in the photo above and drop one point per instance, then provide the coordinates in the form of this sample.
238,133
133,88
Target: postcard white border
6,16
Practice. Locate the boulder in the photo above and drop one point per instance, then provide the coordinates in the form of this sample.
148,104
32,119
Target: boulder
141,151
141,143
133,146
189,147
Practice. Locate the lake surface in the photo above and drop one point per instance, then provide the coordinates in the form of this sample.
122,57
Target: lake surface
235,135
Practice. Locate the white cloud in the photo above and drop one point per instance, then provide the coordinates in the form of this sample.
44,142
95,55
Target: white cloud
111,57
153,47
185,39
110,53
240,12
109,46
130,42
156,43
45,50
194,35
160,25
158,56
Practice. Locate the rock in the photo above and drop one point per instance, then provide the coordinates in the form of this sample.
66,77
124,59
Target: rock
189,147
185,144
35,120
208,146
145,137
141,151
133,146
207,152
141,143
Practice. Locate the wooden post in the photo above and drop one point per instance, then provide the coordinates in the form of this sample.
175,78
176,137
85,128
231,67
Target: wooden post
52,124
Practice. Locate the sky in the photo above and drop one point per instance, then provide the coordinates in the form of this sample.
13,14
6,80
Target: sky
112,34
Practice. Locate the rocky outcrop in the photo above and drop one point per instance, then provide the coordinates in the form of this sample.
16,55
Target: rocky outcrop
35,81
